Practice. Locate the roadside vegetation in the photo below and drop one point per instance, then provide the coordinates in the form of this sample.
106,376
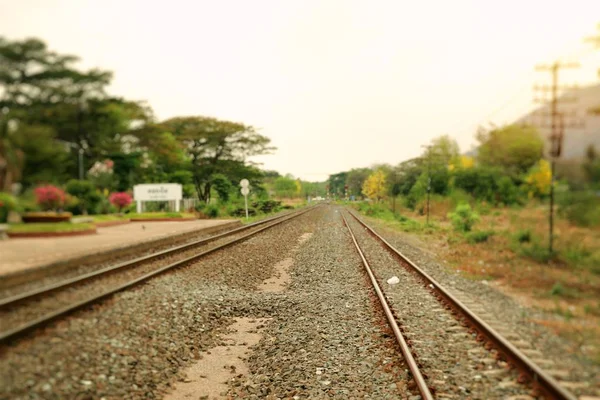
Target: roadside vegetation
488,219
68,147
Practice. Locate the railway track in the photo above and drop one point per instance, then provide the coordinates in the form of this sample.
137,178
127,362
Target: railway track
24,312
529,371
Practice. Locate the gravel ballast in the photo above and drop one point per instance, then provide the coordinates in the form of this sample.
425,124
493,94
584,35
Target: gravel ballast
324,336
512,319
322,339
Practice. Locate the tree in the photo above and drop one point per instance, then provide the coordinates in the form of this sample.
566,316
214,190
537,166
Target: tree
442,151
222,186
39,87
539,179
285,186
337,182
215,146
514,149
407,174
355,179
375,186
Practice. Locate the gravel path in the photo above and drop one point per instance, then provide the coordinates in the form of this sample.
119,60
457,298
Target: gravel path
504,314
39,306
457,366
324,338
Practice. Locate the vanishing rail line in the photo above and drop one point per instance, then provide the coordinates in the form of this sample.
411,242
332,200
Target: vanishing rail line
13,303
542,381
406,352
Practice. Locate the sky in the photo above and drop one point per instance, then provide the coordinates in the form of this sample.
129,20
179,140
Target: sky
335,84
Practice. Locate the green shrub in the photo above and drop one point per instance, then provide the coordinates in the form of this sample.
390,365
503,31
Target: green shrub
86,194
557,289
535,251
479,236
564,291
507,192
523,236
459,196
241,212
580,208
7,203
463,218
267,206
212,210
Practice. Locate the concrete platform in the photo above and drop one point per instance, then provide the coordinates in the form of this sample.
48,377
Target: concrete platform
18,256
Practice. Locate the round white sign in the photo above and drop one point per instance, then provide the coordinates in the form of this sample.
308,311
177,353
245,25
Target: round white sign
245,191
244,183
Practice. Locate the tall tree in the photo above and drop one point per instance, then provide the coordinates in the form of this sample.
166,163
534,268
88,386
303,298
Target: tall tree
337,182
215,146
513,148
375,186
39,87
355,179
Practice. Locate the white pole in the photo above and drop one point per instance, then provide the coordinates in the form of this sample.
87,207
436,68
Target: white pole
246,201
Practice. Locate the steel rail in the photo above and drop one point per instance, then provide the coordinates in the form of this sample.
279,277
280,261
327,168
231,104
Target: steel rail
545,383
408,357
24,328
12,300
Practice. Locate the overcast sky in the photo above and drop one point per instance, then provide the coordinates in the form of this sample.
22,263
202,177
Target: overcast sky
334,84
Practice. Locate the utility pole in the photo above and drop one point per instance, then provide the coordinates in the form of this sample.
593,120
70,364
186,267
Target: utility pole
557,126
428,152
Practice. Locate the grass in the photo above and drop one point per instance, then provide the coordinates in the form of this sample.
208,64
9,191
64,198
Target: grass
159,215
49,227
109,217
565,284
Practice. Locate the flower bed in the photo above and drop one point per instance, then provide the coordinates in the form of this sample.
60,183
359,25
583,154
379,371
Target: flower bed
45,217
45,229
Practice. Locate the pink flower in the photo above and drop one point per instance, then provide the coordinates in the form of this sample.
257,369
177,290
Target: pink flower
120,199
49,197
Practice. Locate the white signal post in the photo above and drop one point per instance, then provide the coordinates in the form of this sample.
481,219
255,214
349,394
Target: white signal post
244,183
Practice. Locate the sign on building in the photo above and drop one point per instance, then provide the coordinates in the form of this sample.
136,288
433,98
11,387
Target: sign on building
157,192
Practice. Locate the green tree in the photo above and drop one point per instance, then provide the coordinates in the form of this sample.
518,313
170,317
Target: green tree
355,179
45,159
285,186
514,149
407,173
336,183
222,186
215,146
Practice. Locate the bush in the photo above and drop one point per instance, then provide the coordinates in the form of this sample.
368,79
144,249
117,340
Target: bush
508,193
580,208
267,206
86,194
463,218
212,211
479,236
523,236
7,203
241,212
120,200
49,197
536,252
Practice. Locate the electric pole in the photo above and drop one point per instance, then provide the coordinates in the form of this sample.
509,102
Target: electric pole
557,125
428,152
